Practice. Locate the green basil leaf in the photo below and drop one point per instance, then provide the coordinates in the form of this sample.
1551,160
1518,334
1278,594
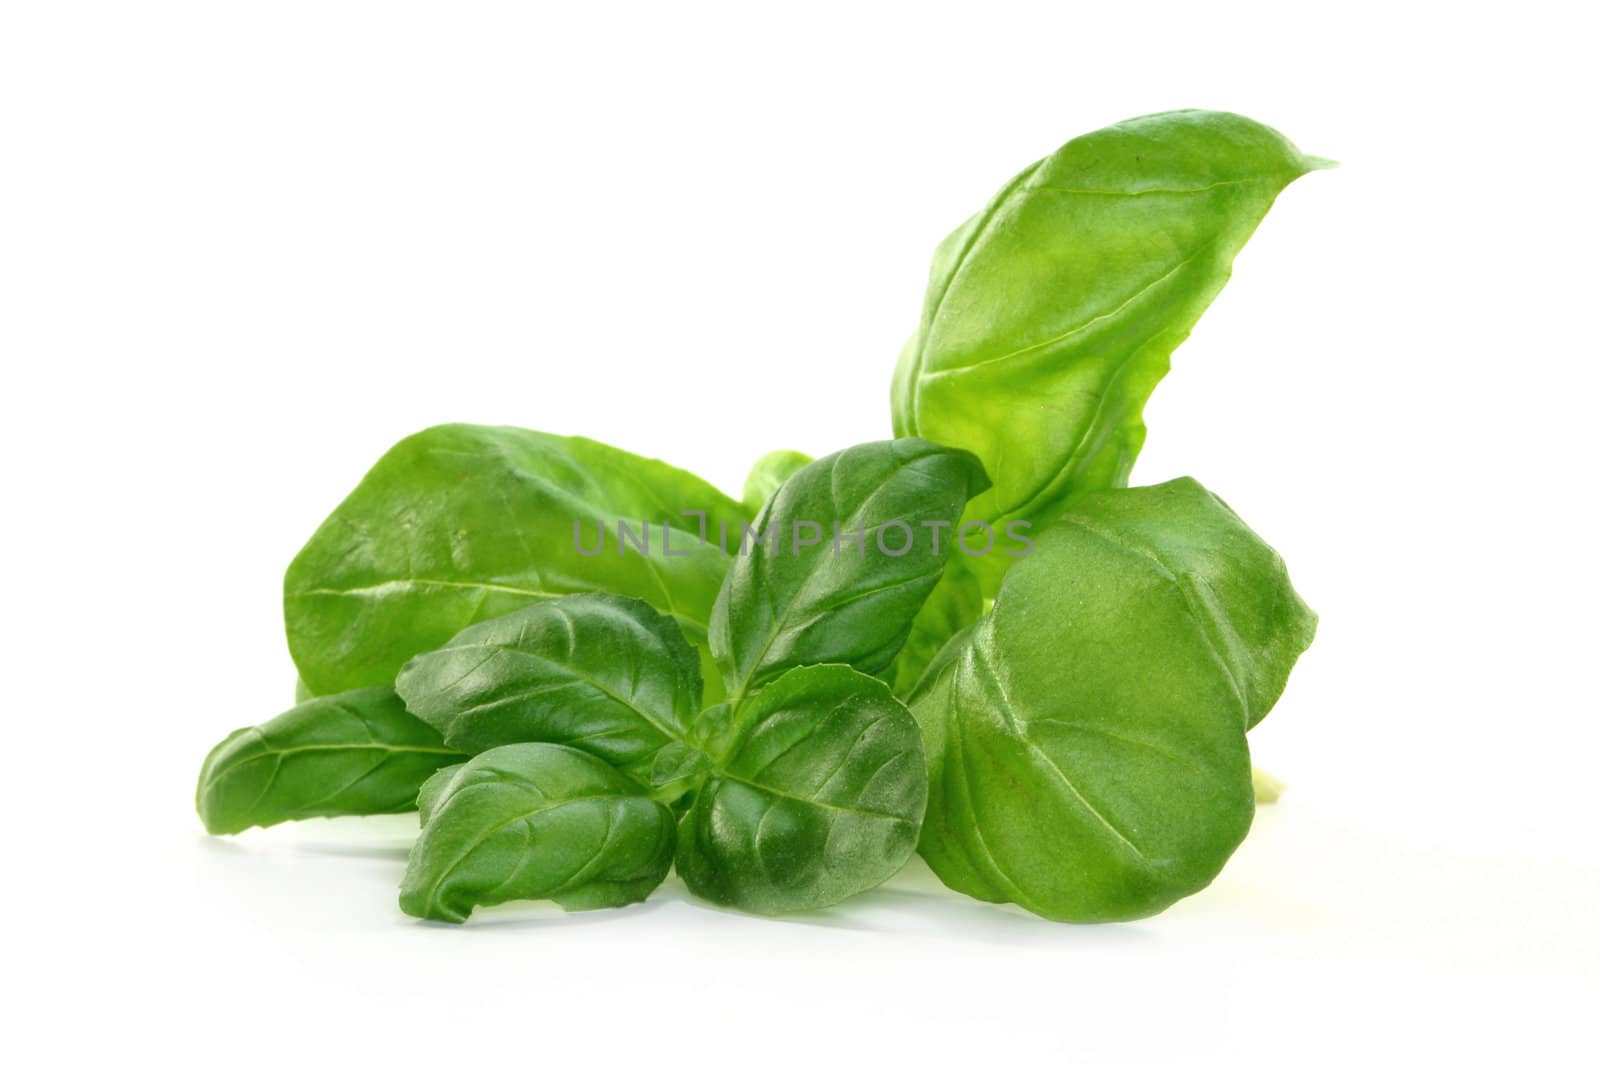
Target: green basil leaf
458,524
769,472
786,603
1071,289
434,788
713,728
536,822
603,673
1237,588
820,799
356,753
1086,739
678,764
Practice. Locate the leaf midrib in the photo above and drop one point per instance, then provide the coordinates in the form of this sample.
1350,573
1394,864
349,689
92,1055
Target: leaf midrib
585,677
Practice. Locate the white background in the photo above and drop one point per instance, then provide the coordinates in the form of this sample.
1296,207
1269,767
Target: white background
246,247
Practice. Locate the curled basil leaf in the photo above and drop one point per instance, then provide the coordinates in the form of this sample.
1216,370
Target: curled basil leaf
604,673
1051,315
820,799
458,524
535,822
802,591
1086,739
356,753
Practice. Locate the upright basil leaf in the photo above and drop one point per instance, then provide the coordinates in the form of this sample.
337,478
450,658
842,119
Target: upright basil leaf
801,592
769,472
1071,289
535,822
604,673
356,753
820,799
458,524
1086,739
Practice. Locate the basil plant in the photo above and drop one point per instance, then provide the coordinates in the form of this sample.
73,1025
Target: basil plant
975,640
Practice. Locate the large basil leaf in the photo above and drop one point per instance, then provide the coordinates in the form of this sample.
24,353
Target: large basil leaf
458,524
768,473
535,822
357,753
1086,740
820,799
1236,587
603,673
787,603
1051,314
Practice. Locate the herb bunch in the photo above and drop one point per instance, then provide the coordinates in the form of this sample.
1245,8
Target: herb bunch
784,719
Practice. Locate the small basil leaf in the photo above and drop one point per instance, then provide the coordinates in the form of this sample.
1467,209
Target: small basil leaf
1086,739
677,763
607,674
458,524
787,603
356,753
1070,291
769,472
536,822
821,799
713,728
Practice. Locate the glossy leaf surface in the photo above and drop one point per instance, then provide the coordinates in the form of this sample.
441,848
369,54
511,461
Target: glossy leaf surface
1051,315
786,603
535,822
820,799
357,753
604,673
458,524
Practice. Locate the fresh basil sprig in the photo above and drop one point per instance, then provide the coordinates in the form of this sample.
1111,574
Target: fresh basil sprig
809,785
572,723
